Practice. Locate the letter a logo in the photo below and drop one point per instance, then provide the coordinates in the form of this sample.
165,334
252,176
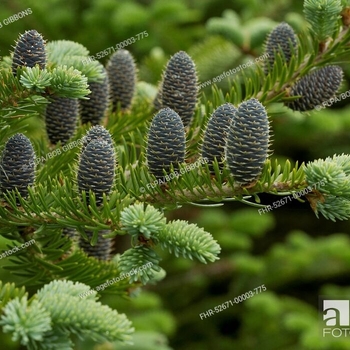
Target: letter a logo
336,312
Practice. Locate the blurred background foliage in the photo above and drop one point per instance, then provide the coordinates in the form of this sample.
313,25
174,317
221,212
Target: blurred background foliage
295,255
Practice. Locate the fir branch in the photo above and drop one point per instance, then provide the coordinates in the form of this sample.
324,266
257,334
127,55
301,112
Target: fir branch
83,316
139,221
15,100
35,78
323,16
274,87
9,291
141,263
189,241
56,311
68,82
58,49
330,178
27,323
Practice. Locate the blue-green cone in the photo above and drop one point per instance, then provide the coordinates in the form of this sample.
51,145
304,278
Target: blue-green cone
17,165
214,140
121,70
101,250
70,232
29,51
94,109
97,132
179,87
282,40
61,117
316,88
96,169
166,142
248,142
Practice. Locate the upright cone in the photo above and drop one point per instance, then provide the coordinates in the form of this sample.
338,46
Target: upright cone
29,51
215,135
61,117
179,87
281,40
17,165
101,250
96,169
248,142
97,132
121,70
94,109
166,142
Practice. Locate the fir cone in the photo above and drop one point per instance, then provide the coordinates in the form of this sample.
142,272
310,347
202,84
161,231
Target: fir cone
94,109
121,69
61,118
215,135
70,232
96,169
179,87
166,142
316,88
97,132
247,142
282,39
29,51
17,165
101,250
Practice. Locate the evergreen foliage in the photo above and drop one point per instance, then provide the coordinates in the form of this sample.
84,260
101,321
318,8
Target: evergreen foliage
77,195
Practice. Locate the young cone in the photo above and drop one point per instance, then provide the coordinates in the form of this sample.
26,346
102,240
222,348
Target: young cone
101,250
282,40
17,165
97,132
316,88
215,135
121,70
179,87
247,142
166,142
96,169
94,109
29,51
61,118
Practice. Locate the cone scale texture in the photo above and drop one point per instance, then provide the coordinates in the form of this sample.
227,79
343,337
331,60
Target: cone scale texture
179,87
316,88
247,142
214,140
166,142
282,39
94,109
29,51
97,132
101,250
17,166
121,70
96,169
61,118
